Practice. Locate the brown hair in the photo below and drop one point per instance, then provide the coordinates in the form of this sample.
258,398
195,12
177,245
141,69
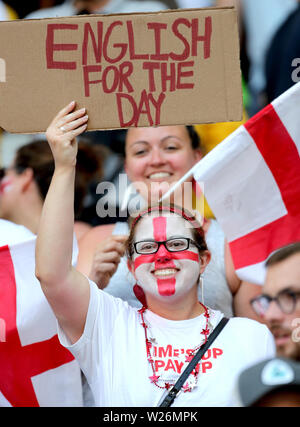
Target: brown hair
37,156
197,230
283,253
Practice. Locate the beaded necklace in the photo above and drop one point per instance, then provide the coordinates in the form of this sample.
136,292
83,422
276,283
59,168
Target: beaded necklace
155,379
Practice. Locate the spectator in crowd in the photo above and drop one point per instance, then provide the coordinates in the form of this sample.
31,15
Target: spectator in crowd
154,157
24,185
279,304
283,57
273,383
23,188
112,340
12,233
187,4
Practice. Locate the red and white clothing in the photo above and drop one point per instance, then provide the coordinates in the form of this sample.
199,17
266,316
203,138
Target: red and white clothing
112,354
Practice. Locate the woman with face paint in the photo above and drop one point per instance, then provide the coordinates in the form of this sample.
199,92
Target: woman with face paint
132,357
156,158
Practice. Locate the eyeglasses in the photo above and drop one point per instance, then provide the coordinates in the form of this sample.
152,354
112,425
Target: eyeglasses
285,299
147,247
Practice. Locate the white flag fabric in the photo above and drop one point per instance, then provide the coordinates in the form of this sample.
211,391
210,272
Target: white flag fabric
252,184
35,370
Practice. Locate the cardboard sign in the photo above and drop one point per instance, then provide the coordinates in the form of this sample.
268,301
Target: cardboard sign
146,69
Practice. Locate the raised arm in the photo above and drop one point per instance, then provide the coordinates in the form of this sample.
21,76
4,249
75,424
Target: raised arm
66,290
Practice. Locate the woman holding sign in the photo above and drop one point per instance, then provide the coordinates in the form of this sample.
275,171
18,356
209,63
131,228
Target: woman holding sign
156,158
134,357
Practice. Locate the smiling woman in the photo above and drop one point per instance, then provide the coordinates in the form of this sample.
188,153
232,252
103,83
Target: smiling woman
133,357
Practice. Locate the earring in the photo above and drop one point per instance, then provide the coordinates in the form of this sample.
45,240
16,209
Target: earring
201,283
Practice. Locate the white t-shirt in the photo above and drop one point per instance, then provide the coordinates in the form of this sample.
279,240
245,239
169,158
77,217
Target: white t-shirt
112,354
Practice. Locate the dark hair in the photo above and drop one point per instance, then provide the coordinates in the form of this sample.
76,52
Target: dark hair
37,156
283,253
197,230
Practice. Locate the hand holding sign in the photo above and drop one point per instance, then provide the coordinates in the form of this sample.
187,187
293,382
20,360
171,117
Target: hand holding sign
62,133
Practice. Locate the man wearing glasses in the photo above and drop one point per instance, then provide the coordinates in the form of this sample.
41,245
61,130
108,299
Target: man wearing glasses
279,304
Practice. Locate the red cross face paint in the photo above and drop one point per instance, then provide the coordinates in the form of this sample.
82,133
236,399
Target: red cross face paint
165,273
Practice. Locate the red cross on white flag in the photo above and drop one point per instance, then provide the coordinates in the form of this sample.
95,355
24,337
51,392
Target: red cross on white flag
35,370
252,183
